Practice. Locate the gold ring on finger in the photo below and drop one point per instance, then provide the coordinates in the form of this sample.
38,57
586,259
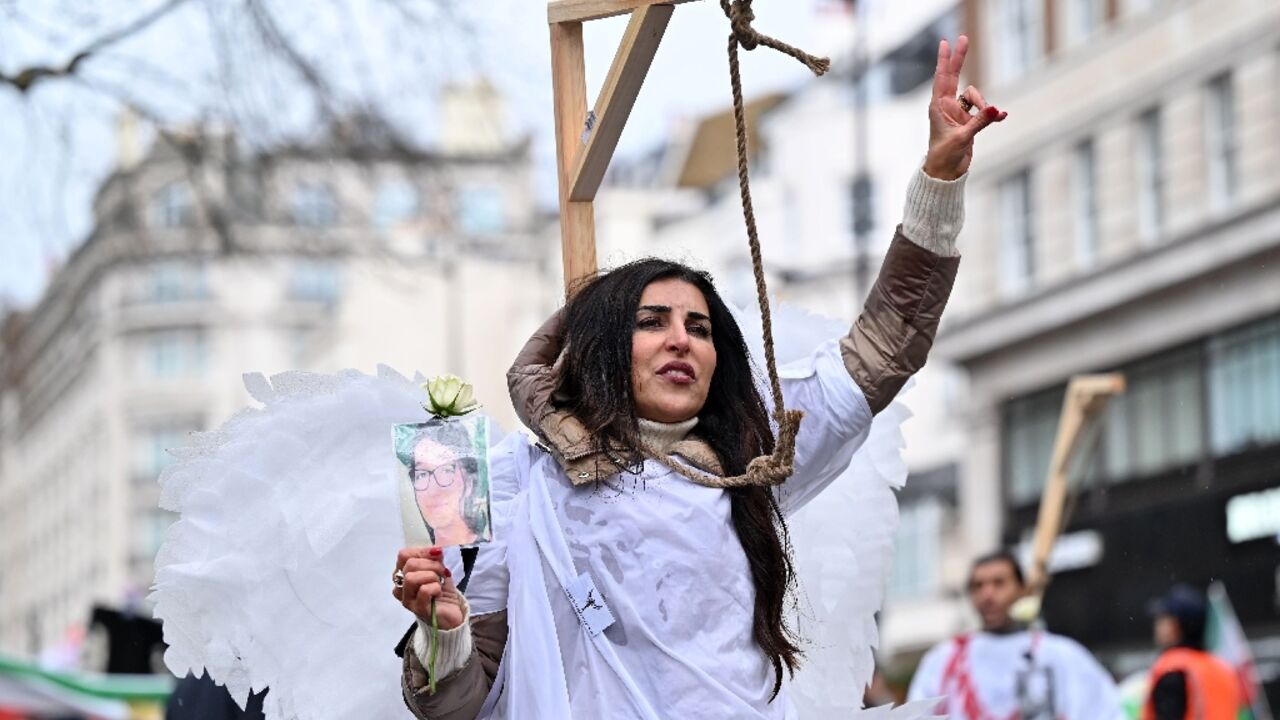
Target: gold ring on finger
965,103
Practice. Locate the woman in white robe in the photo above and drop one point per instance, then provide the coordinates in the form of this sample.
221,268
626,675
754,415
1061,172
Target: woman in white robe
271,579
622,585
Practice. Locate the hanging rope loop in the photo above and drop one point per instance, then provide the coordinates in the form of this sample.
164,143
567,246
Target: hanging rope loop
773,469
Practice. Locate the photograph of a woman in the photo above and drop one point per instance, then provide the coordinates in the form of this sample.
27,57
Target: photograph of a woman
449,480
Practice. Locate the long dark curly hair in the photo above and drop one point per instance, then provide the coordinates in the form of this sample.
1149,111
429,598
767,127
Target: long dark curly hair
595,386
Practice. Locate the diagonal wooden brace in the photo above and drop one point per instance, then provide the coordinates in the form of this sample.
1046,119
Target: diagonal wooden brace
617,97
584,149
1085,400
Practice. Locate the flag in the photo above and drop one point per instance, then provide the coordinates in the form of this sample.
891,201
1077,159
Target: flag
1134,691
1225,638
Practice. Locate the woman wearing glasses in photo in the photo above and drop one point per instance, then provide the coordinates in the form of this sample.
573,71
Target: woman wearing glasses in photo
445,487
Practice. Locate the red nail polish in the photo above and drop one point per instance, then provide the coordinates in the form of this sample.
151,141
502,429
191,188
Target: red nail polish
448,573
991,112
435,552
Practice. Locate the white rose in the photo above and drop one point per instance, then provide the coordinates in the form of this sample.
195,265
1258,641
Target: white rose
448,395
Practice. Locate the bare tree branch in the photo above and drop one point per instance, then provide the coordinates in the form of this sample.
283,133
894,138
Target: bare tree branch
191,148
260,71
310,76
23,80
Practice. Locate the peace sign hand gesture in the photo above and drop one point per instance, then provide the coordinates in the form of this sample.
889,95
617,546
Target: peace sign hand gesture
951,127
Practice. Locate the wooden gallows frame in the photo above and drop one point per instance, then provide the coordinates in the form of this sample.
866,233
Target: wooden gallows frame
1086,398
585,142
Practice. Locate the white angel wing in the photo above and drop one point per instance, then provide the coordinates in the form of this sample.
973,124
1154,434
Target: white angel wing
843,543
278,573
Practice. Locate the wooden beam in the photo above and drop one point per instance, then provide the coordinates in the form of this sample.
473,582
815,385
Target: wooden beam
569,84
1086,398
617,97
561,11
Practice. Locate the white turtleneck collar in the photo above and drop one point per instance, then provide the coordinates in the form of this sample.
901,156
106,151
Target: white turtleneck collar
659,437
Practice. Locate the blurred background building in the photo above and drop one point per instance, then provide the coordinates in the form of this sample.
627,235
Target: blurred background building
1129,219
348,252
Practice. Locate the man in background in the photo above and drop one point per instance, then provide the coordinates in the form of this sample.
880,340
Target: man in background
1008,670
1186,681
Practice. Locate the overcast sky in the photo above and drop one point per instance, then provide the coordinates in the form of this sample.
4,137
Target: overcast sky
45,191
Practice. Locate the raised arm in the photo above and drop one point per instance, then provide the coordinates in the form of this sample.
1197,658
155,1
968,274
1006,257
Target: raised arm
891,339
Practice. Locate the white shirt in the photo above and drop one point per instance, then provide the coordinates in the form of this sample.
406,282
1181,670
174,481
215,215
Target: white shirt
1059,670
663,553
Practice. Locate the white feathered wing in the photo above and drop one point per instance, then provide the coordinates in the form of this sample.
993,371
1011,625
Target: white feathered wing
278,573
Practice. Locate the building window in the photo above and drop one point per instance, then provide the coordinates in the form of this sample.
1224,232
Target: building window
1222,138
167,354
1020,25
396,202
173,206
1158,423
314,205
1084,17
915,559
863,206
481,210
315,281
175,281
1030,426
1151,176
1018,247
1244,382
1084,203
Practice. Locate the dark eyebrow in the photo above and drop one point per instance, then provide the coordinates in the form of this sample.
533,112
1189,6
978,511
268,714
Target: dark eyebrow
666,309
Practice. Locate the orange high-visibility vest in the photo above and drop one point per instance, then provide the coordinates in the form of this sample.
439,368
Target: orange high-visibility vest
1213,688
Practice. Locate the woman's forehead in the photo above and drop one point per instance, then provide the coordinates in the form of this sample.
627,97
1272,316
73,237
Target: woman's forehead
430,452
676,294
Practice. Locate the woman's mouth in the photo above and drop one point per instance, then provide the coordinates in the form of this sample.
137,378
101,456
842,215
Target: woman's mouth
680,373
434,505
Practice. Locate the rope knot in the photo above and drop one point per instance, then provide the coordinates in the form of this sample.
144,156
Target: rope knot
740,18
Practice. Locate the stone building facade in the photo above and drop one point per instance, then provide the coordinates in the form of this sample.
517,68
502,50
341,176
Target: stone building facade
209,260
